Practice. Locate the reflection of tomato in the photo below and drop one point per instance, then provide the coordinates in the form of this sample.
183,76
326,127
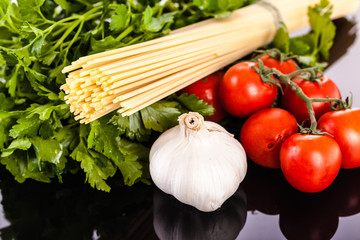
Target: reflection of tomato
263,134
207,90
242,92
296,106
286,67
308,217
345,192
310,163
344,125
263,188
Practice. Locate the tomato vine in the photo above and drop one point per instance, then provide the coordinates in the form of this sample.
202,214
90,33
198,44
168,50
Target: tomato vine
310,74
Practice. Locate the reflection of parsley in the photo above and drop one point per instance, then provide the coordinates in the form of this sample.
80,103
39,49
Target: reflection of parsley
318,42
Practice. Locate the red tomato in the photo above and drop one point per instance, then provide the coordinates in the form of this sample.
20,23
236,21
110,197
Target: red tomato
207,89
264,132
310,163
344,125
242,92
286,67
296,106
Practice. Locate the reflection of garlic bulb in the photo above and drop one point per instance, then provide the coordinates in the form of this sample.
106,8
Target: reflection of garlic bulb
198,162
174,220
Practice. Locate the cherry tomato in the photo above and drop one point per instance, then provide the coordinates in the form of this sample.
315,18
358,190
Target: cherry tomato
286,67
264,132
344,125
310,163
296,106
207,89
242,92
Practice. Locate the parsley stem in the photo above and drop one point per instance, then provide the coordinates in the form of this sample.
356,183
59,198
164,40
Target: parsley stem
92,16
86,3
11,25
126,32
74,39
66,34
6,41
60,30
78,21
66,24
19,49
64,20
134,40
43,17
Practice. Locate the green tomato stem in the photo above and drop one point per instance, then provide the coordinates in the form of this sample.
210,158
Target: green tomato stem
287,79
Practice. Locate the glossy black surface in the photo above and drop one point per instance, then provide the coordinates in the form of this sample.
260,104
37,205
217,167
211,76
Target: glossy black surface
264,207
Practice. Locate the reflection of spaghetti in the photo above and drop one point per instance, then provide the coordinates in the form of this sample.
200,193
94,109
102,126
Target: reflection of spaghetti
133,77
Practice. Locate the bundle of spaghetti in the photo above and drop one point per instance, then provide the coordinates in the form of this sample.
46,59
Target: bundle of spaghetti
131,78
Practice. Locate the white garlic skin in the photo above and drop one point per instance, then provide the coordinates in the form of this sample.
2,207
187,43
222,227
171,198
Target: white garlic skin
202,166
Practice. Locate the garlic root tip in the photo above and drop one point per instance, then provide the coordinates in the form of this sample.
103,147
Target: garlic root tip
192,120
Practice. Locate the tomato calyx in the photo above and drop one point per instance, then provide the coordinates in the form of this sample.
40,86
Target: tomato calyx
266,74
342,105
309,74
273,53
309,131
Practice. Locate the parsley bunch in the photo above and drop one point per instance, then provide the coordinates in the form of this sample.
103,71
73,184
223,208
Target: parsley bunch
38,137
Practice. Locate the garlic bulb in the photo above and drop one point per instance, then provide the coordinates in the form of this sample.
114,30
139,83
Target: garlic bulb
198,162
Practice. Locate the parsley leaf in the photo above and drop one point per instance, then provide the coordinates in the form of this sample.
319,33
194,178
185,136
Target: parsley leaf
309,47
50,150
97,167
5,125
20,143
101,138
4,6
132,126
30,9
192,103
323,28
160,116
155,24
25,127
282,38
135,164
121,19
22,165
105,44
